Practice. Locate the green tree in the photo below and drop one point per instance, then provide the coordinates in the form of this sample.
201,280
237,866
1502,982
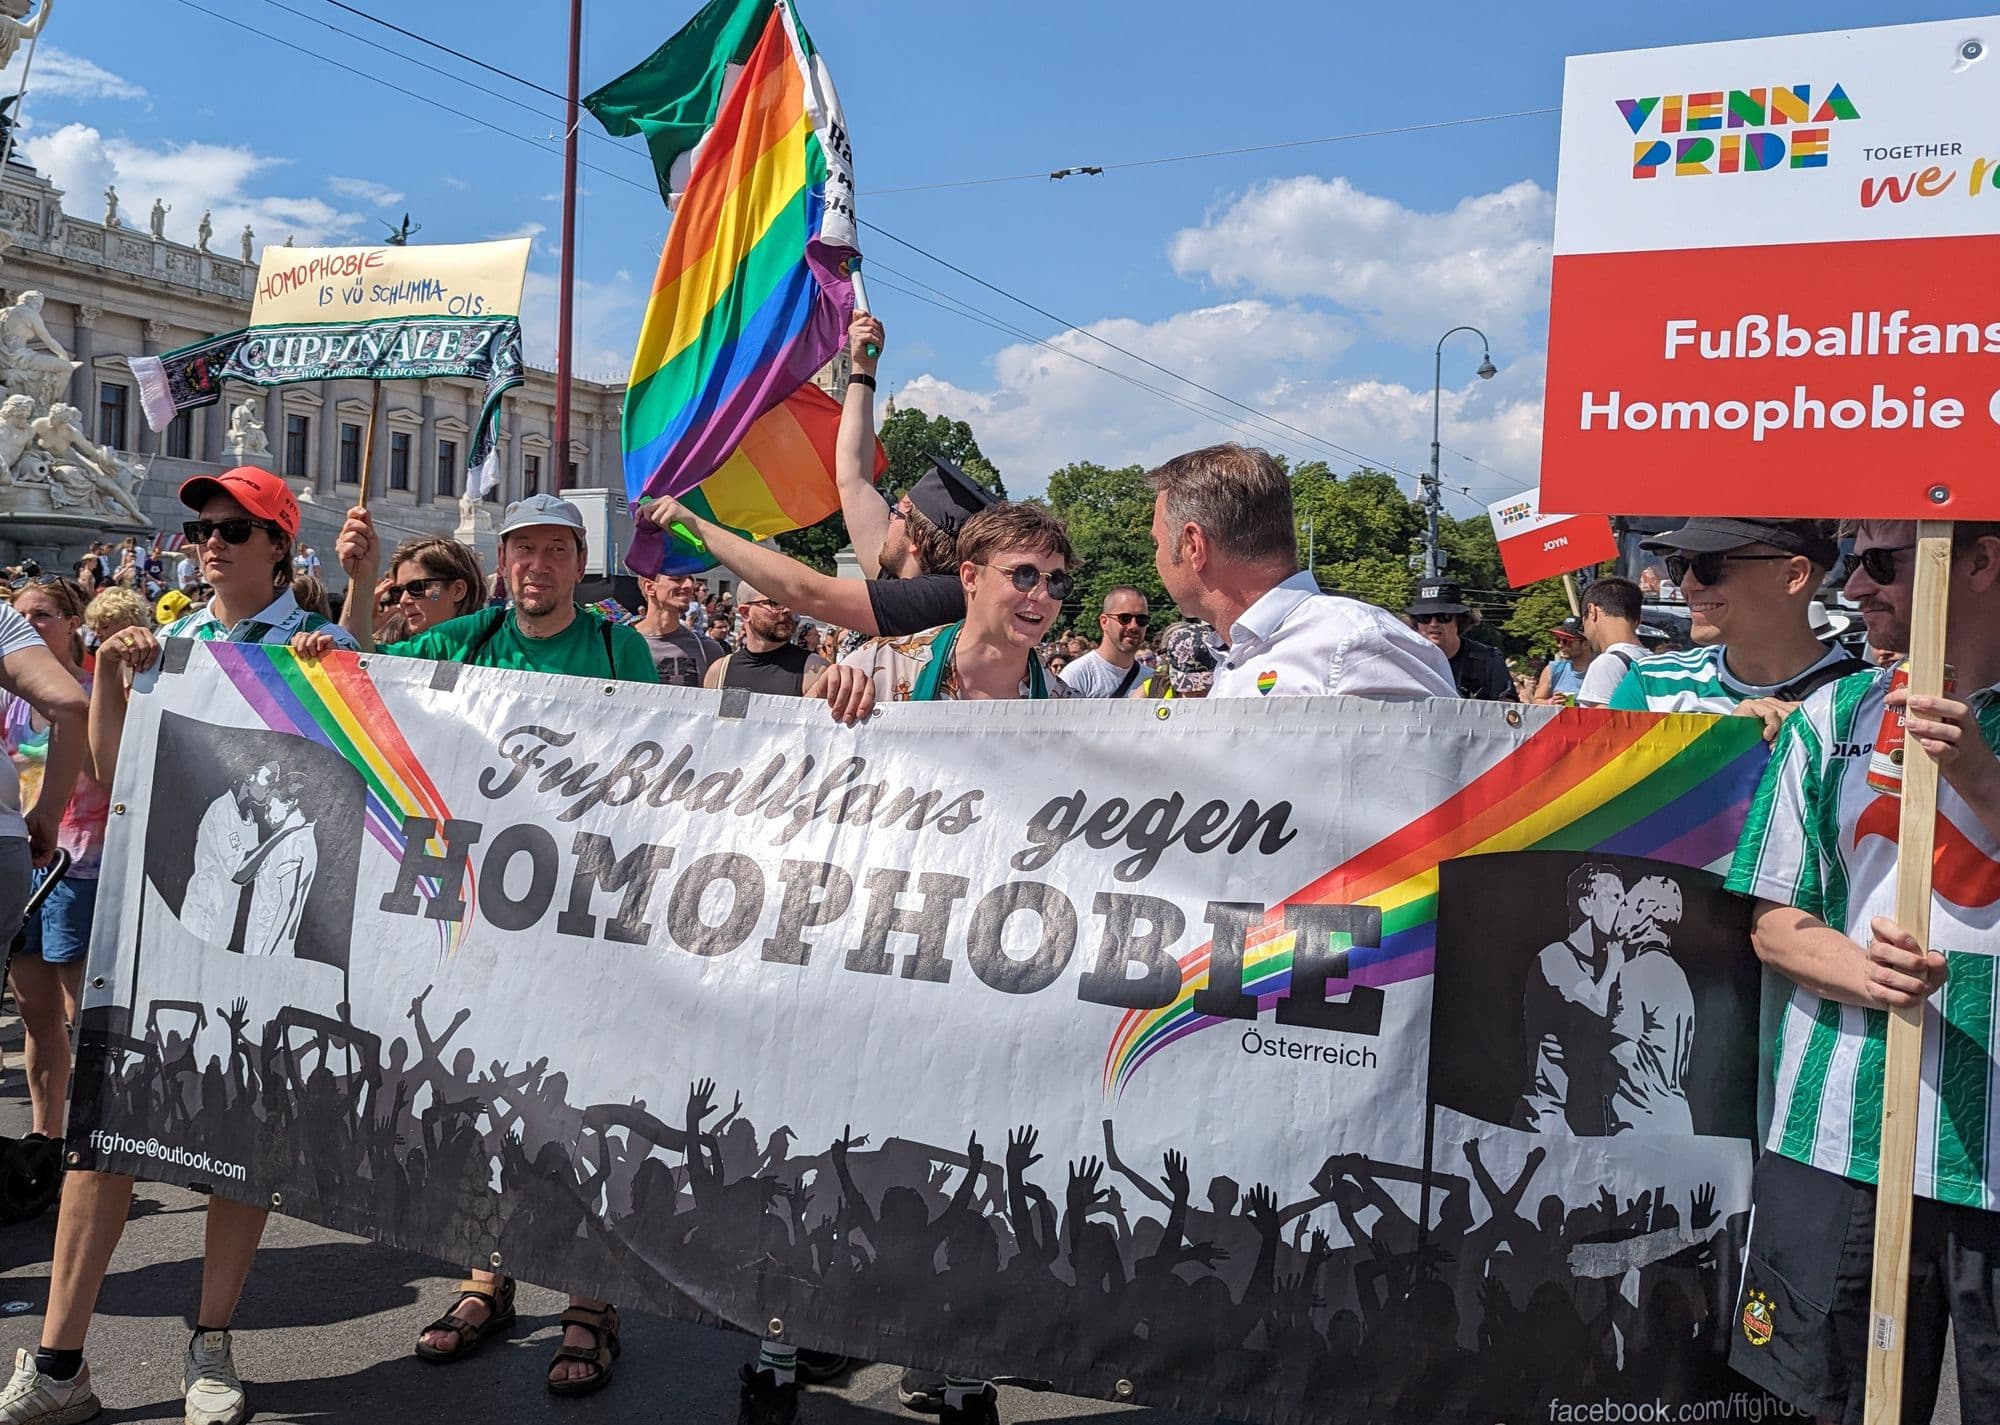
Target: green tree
1537,609
912,437
1109,515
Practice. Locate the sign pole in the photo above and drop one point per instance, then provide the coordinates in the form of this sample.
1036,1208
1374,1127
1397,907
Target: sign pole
1890,1289
1569,588
368,445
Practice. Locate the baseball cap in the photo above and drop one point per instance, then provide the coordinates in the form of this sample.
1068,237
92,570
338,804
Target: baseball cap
543,509
171,605
1571,627
258,491
1715,536
1437,599
948,497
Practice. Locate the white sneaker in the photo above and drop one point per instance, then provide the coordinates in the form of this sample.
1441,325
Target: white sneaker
214,1394
32,1398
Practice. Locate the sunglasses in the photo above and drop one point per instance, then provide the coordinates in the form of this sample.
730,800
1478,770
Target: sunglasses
416,589
1878,564
1127,620
232,531
1026,578
1433,618
1711,567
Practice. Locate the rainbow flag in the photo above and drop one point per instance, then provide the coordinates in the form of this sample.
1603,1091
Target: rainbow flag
752,292
780,478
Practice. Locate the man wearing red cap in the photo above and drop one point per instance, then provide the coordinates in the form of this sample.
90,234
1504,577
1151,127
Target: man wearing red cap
245,527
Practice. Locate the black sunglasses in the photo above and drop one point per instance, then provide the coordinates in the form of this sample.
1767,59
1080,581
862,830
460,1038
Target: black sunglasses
232,531
1026,578
1710,566
416,589
1433,618
1125,620
1878,564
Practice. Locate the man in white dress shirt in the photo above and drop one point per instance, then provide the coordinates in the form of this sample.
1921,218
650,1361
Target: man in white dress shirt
1227,552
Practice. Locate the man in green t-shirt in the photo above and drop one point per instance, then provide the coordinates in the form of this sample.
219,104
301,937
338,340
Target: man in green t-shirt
540,630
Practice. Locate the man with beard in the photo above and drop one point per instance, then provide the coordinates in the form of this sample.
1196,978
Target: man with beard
1111,670
681,654
1479,669
766,660
908,550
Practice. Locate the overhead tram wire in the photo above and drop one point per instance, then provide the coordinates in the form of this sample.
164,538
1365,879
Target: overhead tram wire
913,247
445,49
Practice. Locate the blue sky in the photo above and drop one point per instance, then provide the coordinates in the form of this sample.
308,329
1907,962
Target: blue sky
1308,283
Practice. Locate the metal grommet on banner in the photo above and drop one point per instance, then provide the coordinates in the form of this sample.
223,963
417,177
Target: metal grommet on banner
609,689
494,1261
118,808
1939,494
775,1329
73,1159
361,662
277,1201
1123,1389
97,982
1513,717
1163,712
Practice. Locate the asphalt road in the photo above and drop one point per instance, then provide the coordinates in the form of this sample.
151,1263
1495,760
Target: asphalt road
326,1324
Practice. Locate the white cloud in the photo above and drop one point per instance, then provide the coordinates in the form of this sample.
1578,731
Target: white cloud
364,190
604,325
456,184
1044,410
519,230
190,178
60,74
1408,274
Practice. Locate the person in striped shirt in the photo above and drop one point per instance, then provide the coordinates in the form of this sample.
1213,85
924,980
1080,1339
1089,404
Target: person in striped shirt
1749,586
1818,855
246,524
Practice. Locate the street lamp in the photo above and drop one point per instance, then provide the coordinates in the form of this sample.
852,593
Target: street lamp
1433,551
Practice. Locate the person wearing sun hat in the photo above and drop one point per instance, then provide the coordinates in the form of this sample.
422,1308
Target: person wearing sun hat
1479,669
170,606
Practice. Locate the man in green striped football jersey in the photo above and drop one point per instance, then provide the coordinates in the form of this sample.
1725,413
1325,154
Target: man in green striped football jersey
1749,586
1818,854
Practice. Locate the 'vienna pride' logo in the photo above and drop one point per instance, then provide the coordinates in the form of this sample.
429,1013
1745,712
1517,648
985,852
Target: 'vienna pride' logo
1733,130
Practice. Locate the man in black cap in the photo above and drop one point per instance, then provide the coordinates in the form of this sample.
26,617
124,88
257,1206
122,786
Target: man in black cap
1478,669
1749,586
908,550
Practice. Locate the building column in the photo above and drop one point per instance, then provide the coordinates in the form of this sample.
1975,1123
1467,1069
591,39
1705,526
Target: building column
329,439
149,345
207,444
83,380
427,452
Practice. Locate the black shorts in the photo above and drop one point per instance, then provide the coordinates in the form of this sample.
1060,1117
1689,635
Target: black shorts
1801,1327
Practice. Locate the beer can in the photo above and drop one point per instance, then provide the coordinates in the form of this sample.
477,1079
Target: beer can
1885,764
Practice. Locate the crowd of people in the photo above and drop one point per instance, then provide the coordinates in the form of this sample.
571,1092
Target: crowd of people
962,601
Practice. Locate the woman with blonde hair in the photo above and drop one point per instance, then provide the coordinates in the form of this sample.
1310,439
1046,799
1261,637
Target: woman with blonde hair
113,609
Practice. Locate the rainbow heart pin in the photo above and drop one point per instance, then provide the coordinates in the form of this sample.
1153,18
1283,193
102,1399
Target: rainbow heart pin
1267,680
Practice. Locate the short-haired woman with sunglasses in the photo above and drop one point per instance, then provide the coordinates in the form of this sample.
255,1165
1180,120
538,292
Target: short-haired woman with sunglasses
1014,565
431,581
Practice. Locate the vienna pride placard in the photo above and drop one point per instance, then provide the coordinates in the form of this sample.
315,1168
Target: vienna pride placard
1776,284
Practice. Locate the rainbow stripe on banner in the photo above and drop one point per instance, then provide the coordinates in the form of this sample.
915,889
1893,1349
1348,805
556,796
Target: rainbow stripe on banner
1673,788
333,702
779,479
752,289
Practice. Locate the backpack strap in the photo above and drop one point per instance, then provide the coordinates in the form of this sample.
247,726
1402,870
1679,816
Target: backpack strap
610,662
1806,684
486,635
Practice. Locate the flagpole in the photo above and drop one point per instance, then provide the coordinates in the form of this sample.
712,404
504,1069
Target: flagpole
565,311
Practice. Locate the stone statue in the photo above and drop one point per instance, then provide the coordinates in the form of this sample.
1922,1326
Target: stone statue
13,31
288,239
80,473
249,241
160,211
204,232
110,206
245,441
17,415
44,375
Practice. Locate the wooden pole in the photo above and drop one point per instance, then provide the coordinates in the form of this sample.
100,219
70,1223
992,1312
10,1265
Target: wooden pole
368,445
1569,588
566,283
1889,1293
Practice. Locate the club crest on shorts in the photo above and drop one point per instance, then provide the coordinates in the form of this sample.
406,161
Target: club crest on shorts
1759,1318
1267,680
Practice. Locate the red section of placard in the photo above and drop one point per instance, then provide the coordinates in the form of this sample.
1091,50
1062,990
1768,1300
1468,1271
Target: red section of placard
1558,548
1847,434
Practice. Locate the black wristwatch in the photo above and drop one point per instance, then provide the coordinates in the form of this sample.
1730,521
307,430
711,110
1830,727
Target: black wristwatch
864,378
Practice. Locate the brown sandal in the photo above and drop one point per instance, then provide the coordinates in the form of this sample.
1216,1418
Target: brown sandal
604,1326
499,1316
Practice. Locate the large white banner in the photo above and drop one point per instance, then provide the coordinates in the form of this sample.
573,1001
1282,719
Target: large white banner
1103,1044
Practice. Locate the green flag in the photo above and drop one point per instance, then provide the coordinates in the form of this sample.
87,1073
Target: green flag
673,95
